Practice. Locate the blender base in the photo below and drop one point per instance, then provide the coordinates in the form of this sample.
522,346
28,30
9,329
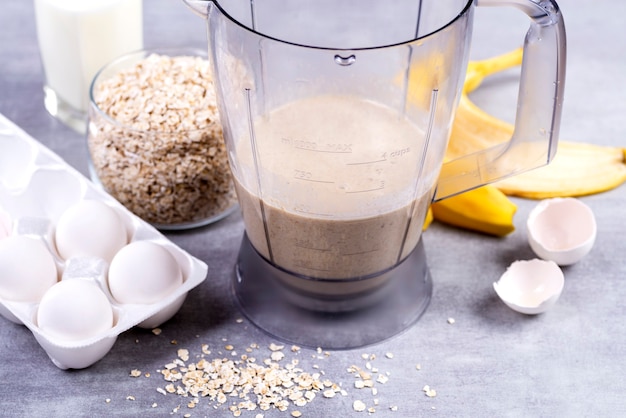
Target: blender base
330,322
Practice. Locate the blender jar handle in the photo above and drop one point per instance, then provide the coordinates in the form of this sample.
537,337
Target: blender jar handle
534,140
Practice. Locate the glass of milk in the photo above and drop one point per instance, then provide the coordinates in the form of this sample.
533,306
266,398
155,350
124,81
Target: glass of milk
76,38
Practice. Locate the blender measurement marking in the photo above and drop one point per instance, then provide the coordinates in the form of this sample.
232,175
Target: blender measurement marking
381,186
308,267
305,209
368,162
332,148
373,250
308,176
306,247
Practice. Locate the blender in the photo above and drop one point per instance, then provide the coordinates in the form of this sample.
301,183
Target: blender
336,117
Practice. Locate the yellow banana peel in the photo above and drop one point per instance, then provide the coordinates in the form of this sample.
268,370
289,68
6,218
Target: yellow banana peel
485,209
578,168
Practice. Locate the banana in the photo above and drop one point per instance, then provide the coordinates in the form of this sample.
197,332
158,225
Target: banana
485,209
429,219
578,169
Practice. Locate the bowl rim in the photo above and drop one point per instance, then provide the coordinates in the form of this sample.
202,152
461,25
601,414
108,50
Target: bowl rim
134,57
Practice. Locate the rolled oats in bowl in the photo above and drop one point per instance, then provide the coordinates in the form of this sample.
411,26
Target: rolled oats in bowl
155,140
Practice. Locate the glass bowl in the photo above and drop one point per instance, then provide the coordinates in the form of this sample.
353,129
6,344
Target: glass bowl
155,139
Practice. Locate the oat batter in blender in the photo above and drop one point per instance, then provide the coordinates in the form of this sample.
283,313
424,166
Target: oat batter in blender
336,116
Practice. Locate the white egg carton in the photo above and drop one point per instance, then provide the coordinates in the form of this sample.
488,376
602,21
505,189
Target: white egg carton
36,187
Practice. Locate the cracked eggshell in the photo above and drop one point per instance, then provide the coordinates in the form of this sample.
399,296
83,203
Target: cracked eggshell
562,230
530,287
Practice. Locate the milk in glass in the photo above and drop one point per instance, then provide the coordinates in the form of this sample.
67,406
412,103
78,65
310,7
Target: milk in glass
78,37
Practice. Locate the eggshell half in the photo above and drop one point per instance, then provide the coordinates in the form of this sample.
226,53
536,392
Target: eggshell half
530,287
562,230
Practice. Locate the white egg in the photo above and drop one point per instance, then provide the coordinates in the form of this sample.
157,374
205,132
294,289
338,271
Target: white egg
90,228
74,309
143,272
27,268
530,287
562,230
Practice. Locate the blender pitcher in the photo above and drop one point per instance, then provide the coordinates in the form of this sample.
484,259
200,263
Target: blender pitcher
336,116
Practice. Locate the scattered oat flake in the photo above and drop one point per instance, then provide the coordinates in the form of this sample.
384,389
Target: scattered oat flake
431,393
241,384
276,347
296,414
364,375
107,400
451,321
154,405
130,398
239,320
135,373
394,408
359,406
382,379
389,355
183,354
418,366
157,331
